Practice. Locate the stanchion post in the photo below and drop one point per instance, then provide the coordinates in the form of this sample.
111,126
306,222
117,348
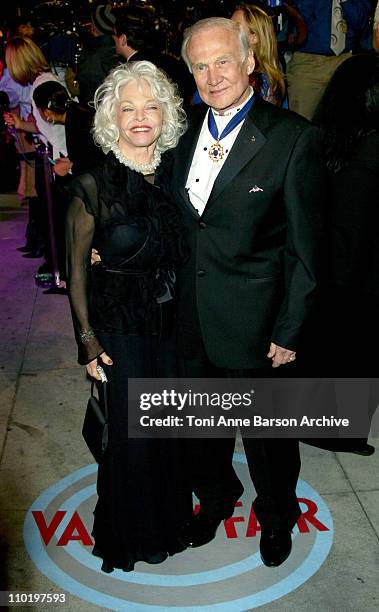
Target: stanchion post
49,179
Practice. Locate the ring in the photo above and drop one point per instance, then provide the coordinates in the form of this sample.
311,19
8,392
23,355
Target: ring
292,358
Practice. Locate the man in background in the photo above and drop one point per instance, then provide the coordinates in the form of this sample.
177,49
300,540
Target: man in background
99,57
334,29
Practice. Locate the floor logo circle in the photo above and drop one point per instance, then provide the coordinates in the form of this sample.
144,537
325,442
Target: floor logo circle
227,575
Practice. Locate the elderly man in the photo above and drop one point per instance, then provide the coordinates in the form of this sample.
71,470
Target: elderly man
249,182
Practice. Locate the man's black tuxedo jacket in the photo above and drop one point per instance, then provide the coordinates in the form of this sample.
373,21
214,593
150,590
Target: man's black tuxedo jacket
252,273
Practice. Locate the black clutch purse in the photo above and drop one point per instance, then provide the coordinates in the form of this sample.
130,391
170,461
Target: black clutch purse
95,426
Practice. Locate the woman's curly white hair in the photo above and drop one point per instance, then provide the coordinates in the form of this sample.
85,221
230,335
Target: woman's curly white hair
107,99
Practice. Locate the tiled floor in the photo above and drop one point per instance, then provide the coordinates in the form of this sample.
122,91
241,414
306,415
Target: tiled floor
43,392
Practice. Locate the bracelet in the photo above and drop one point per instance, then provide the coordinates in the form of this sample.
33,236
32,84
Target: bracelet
87,336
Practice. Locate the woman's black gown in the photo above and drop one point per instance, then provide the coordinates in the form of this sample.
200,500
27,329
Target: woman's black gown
144,493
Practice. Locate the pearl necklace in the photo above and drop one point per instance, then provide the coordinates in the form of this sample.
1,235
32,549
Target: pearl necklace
143,168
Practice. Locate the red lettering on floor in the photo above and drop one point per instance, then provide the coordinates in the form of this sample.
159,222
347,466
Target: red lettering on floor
75,524
47,531
253,526
230,529
310,516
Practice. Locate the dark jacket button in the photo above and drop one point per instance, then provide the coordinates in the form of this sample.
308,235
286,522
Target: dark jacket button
202,225
201,272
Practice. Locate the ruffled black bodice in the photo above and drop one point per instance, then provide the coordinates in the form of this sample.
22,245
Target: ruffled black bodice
137,232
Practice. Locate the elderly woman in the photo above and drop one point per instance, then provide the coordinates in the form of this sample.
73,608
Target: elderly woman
123,307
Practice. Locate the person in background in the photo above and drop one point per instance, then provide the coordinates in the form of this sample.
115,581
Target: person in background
55,106
375,31
27,65
20,26
123,307
334,29
8,155
290,28
99,57
137,39
267,78
348,116
20,103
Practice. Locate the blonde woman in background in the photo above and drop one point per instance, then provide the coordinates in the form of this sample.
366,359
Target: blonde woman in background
375,34
27,65
267,78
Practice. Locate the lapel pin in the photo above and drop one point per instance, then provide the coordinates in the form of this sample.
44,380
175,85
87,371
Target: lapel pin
252,139
255,189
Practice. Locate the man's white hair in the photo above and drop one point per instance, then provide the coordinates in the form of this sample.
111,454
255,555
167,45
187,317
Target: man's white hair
215,22
107,99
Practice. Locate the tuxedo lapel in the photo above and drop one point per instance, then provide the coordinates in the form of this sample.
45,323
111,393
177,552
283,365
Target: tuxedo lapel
246,146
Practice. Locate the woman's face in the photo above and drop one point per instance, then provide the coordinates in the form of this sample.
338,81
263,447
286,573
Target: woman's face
49,116
139,117
240,18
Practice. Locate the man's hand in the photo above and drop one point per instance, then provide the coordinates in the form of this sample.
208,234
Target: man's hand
92,365
62,166
280,355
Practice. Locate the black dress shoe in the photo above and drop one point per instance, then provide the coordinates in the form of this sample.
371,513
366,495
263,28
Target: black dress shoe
366,450
199,531
25,249
357,446
275,546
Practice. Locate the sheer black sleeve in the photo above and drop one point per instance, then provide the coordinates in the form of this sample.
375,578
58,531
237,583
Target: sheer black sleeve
80,227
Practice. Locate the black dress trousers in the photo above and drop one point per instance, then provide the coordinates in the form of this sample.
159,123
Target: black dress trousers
274,464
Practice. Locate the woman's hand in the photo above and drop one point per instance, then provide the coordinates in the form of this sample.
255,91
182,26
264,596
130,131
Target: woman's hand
13,120
91,367
95,257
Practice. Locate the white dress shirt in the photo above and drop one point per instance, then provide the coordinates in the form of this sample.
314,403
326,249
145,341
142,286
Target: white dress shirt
204,171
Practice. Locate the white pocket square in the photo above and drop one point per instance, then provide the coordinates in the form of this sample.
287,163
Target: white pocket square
255,189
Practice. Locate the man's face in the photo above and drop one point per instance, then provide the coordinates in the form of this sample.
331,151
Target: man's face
120,42
221,75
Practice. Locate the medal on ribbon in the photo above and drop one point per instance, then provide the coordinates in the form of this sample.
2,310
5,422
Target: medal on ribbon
216,150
